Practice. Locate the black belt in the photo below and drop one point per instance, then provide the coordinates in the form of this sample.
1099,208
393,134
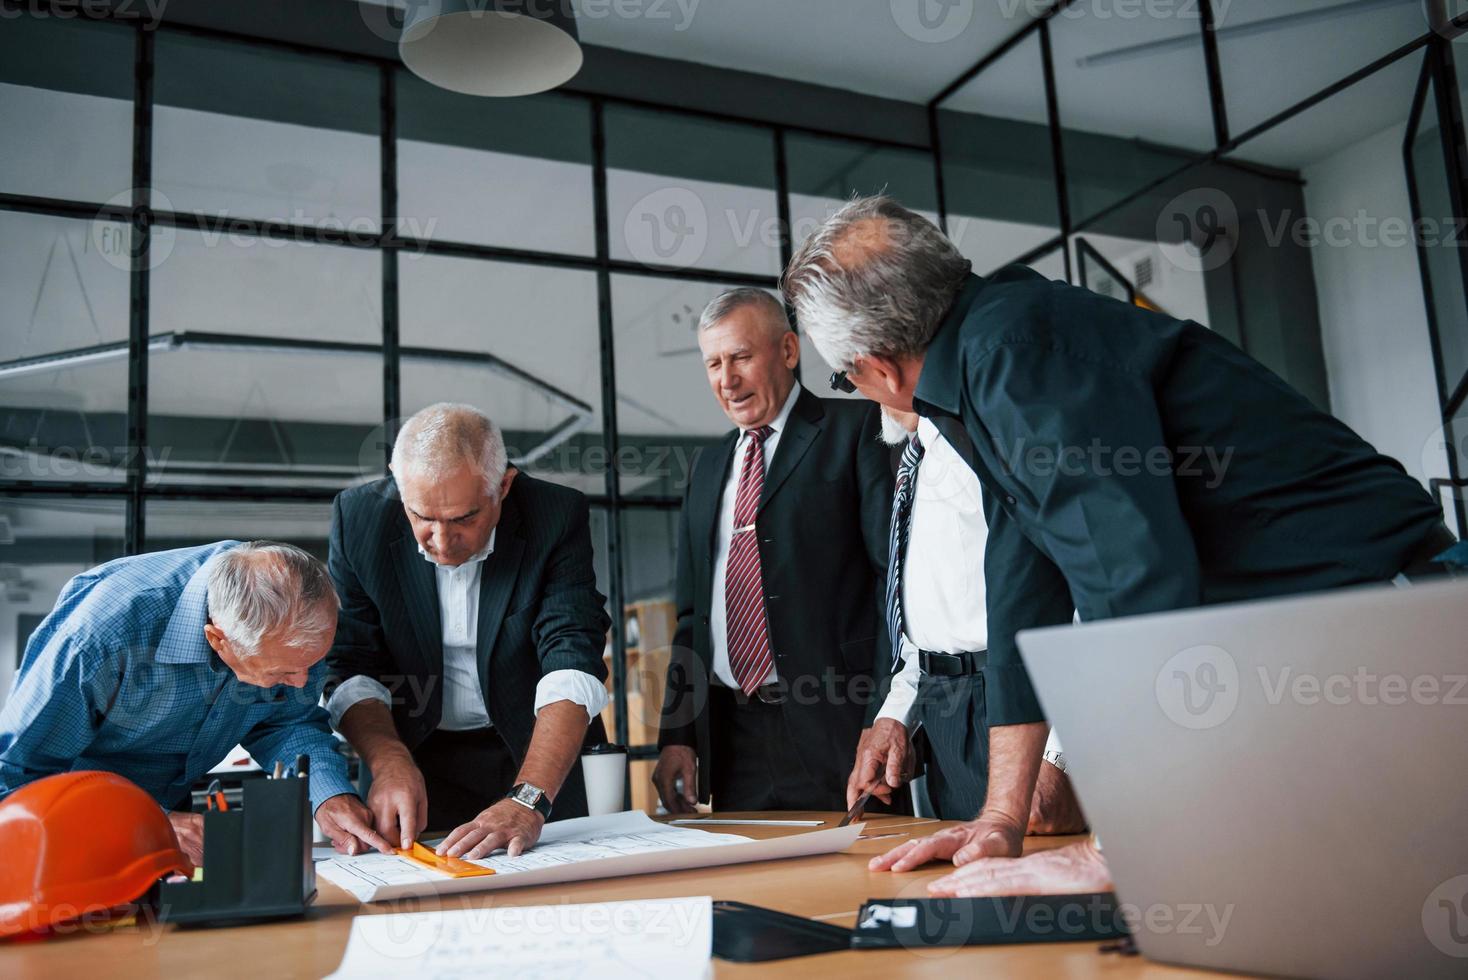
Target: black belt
1421,565
952,664
771,693
464,734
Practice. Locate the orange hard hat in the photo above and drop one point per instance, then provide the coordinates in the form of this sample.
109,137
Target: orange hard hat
79,843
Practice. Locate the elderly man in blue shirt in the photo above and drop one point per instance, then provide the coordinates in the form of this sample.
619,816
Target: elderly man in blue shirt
155,666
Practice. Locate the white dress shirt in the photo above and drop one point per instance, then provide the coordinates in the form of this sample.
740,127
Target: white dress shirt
943,600
463,697
724,533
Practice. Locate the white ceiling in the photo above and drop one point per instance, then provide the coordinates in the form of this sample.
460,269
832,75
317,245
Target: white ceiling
1149,82
878,47
1378,102
1146,78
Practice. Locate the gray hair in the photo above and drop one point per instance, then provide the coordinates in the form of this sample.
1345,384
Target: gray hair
443,437
874,279
738,298
263,588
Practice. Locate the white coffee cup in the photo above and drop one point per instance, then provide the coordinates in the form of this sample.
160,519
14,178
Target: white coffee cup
604,767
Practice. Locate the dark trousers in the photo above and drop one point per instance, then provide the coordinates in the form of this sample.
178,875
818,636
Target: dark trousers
465,773
951,713
754,764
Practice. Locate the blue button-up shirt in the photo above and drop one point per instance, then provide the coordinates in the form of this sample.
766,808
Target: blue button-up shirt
119,677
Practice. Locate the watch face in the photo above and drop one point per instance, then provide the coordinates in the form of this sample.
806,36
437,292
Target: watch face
527,794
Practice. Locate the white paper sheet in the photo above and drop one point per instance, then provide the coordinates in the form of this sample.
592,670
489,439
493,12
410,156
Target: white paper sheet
665,939
609,846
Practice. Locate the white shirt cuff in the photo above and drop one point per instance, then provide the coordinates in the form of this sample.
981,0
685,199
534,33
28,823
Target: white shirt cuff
350,692
903,694
572,685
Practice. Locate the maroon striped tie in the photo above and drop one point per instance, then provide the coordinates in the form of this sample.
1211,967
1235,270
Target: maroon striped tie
744,590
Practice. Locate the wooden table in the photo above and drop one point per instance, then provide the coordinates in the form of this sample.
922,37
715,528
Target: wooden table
830,888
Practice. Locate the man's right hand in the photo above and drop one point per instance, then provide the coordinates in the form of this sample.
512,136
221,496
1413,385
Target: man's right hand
883,761
398,801
189,829
677,762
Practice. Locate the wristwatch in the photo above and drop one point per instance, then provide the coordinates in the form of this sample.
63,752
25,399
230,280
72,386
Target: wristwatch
531,797
1056,758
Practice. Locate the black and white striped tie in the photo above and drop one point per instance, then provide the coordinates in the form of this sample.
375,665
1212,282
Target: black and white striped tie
902,498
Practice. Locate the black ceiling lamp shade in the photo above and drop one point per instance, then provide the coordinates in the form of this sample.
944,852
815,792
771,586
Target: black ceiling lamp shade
491,47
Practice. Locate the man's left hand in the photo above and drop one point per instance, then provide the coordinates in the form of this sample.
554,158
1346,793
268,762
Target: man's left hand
1055,809
507,824
347,822
1075,869
988,836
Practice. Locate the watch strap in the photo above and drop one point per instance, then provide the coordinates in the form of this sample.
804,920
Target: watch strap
541,806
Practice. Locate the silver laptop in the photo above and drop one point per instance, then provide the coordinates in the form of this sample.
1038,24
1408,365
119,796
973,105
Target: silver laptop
1280,787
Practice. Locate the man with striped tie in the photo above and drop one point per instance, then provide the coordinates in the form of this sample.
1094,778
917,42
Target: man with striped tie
936,611
1054,395
782,551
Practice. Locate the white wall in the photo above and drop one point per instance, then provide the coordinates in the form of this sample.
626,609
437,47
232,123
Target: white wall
1378,354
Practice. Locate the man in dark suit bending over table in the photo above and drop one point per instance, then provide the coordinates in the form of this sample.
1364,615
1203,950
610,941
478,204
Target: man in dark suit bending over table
467,665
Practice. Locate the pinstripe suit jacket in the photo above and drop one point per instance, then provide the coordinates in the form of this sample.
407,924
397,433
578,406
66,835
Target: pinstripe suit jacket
539,609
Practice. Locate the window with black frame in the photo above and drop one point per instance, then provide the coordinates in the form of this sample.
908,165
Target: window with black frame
265,359
998,164
691,193
1430,160
270,288
823,173
66,111
1132,100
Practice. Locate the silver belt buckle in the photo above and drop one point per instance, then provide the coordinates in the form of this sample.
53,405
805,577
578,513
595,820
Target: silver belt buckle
770,694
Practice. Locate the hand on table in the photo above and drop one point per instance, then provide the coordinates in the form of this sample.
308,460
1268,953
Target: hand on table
884,761
1055,809
347,823
1075,869
189,829
507,824
677,762
988,836
398,801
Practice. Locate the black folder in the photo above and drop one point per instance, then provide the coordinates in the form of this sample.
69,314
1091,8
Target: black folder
896,923
750,934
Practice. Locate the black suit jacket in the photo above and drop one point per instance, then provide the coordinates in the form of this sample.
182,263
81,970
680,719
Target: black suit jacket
539,609
822,526
1134,463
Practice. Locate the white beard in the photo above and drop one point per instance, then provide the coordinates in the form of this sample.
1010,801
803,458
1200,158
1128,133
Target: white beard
893,434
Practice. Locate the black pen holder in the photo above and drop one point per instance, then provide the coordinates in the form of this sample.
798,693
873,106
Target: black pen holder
257,860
